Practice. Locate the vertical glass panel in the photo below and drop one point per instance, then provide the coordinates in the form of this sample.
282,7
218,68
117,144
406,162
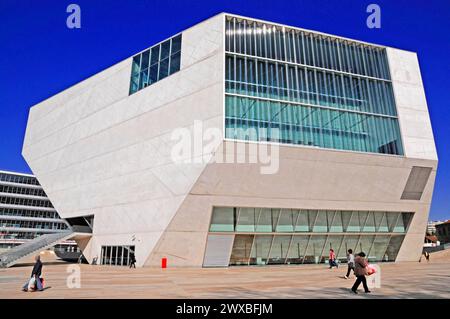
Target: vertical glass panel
302,222
174,63
242,247
108,255
113,255
165,50
128,250
350,242
392,218
365,245
145,59
369,225
407,217
102,256
260,249
379,247
393,247
246,220
275,218
286,221
400,226
314,251
312,216
176,44
321,225
381,222
222,219
353,225
153,76
279,249
250,43
264,223
136,64
335,222
155,55
297,249
163,69
120,256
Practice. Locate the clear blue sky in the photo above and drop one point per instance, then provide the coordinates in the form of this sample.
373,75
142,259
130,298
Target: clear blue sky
40,56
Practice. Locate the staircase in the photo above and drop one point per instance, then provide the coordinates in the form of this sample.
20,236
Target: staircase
14,255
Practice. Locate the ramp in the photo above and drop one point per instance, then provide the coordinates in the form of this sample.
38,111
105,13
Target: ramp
16,254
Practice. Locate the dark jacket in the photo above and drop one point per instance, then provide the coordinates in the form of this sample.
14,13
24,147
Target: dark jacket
360,266
37,269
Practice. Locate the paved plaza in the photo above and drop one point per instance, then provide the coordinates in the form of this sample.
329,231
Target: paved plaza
399,280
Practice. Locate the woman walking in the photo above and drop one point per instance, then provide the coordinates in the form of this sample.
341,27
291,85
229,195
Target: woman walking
360,273
332,259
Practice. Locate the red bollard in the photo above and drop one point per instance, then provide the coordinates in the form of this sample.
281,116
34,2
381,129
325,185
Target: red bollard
164,262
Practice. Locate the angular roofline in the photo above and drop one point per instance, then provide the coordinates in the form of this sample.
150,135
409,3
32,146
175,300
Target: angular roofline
312,31
17,173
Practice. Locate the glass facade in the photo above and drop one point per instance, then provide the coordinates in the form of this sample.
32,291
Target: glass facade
293,236
25,210
295,87
116,255
155,63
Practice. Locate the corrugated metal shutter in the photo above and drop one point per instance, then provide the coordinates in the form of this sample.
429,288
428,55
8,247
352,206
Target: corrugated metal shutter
218,250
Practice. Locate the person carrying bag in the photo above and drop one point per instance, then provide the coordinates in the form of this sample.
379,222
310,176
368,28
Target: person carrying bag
35,282
360,272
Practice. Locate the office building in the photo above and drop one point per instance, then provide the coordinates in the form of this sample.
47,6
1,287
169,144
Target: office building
25,211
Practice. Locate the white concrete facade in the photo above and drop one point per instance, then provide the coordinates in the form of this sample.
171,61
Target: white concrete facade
97,150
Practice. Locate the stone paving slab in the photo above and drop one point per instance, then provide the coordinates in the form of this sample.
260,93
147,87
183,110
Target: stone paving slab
398,280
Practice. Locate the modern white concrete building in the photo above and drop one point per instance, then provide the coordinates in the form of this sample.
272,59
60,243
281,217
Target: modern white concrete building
352,156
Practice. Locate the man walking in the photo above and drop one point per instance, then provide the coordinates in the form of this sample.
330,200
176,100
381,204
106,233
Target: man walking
35,279
350,263
360,273
132,260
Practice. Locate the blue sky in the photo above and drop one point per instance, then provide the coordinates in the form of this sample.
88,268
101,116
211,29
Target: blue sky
40,56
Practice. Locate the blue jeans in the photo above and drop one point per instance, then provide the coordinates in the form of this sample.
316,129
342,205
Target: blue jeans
333,263
38,284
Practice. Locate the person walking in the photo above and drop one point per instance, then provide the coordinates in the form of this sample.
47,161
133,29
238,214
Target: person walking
350,263
332,259
427,256
35,280
360,273
132,260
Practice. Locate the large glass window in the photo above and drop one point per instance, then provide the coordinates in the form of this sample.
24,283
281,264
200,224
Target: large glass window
268,220
308,97
279,250
222,219
155,63
246,220
116,255
242,247
298,236
260,250
297,249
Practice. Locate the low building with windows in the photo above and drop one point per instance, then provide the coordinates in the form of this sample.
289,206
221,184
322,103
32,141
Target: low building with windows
443,232
25,211
351,159
431,227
